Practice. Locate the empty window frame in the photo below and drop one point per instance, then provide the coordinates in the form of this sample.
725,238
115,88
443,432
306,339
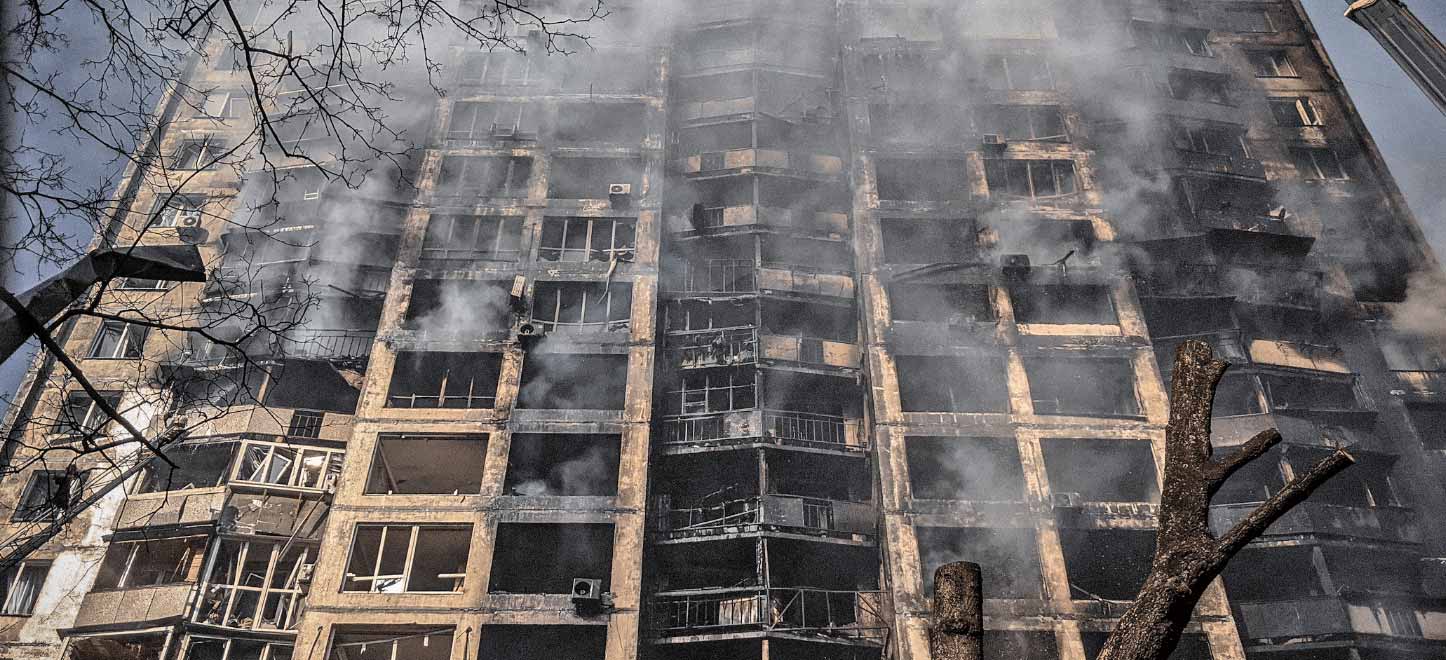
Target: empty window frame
197,154
254,585
544,558
587,239
1018,71
143,284
20,587
177,210
383,643
47,494
1237,394
427,465
459,307
949,383
484,176
1297,111
1250,20
1318,164
201,465
501,67
910,241
1009,557
1171,39
1305,393
954,304
1271,64
713,390
1063,303
590,178
1276,574
1082,386
293,466
426,379
612,123
151,563
1107,563
393,559
950,468
1215,139
218,648
472,120
582,305
1030,179
81,417
472,238
1199,86
1101,470
901,70
1022,123
571,464
922,179
915,123
535,642
118,340
573,380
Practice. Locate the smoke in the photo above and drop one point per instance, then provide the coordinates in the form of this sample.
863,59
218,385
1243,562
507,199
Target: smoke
1423,313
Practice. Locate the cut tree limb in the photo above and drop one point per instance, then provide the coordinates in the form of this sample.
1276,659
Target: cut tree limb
958,632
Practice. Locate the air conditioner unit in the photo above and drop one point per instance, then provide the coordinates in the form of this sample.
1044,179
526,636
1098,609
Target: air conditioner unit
620,194
587,595
993,140
1015,265
1067,500
188,218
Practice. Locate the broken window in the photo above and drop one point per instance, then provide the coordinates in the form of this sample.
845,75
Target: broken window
824,254
534,642
1271,64
1101,470
151,563
614,123
591,178
1209,138
582,305
950,468
1277,573
544,558
922,179
119,340
20,587
203,465
427,379
604,70
1169,38
587,239
465,238
484,176
197,154
499,67
47,494
1009,557
296,466
713,390
562,464
81,417
459,307
1236,394
573,380
1430,423
392,643
254,585
1063,303
1022,644
1297,111
1082,386
1199,86
1022,123
306,424
394,559
952,383
1249,20
915,122
1367,485
941,303
427,464
1030,179
177,210
1107,563
218,648
1317,164
909,241
1017,71
472,120
143,284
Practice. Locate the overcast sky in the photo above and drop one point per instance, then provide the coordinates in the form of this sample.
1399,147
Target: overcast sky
1410,131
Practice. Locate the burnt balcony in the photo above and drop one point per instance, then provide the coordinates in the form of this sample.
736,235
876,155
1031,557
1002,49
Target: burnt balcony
737,346
1389,524
715,217
137,607
761,160
1268,285
740,276
763,427
788,514
342,346
1200,161
853,617
1330,615
1180,280
189,507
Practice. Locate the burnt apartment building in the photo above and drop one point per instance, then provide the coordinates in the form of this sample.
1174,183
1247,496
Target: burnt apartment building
715,338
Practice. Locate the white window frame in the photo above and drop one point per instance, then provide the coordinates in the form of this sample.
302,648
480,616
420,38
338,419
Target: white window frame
227,595
12,580
128,333
377,583
280,465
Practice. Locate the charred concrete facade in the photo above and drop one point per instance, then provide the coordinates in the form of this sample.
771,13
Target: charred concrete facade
715,340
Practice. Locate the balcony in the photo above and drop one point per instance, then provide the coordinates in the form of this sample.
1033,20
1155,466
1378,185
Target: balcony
735,276
1201,161
139,607
736,346
760,159
1328,615
768,427
717,217
854,617
328,345
771,513
198,507
1389,524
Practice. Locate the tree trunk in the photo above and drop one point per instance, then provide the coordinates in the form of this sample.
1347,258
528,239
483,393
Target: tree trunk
958,632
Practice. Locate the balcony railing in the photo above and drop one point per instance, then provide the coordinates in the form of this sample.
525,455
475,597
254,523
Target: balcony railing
782,512
797,429
1208,162
1391,524
139,607
718,276
329,344
845,615
713,348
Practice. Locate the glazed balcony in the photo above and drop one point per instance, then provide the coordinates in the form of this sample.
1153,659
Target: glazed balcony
763,427
854,617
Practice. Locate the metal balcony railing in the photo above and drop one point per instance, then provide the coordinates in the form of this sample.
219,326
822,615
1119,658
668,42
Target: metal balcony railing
711,348
718,276
775,427
850,615
790,512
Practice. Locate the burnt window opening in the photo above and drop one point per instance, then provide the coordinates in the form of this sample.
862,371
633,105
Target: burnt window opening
1405,352
466,238
533,642
802,392
573,380
908,241
425,379
1318,164
949,468
392,643
151,563
1430,423
941,303
810,320
205,465
1295,112
1022,123
1211,138
590,178
544,558
197,154
560,305
1101,470
711,140
1296,392
614,123
705,391
1018,71
48,494
1178,317
1030,179
818,476
571,464
808,253
1172,39
302,385
1385,571
922,179
915,123
1199,86
1082,386
484,176
1272,574
80,416
1250,21
501,67
118,340
394,559
459,307
1366,485
604,70
901,70
1237,394
1022,644
1107,563
253,585
948,383
1190,646
587,239
1063,303
427,464
306,424
1009,557
1271,64
1255,482
1378,282
688,315
473,120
